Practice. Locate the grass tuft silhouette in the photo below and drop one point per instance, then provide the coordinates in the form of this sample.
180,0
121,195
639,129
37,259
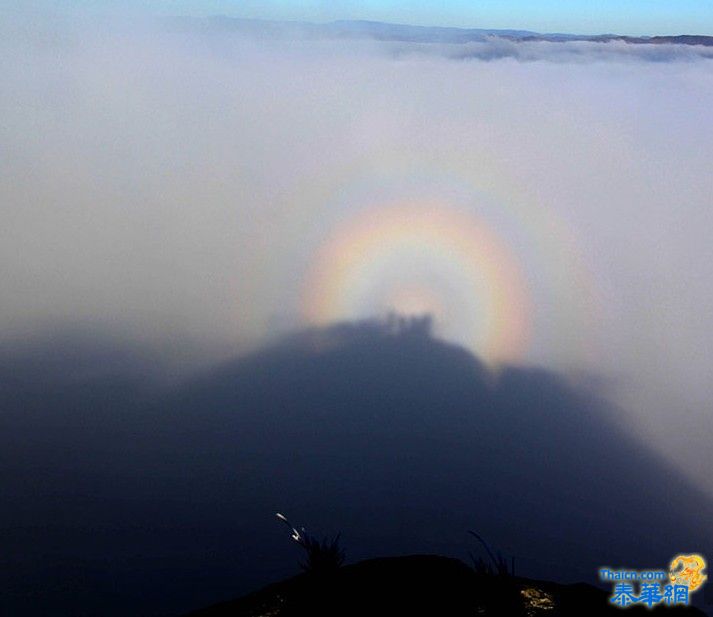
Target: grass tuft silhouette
498,564
322,556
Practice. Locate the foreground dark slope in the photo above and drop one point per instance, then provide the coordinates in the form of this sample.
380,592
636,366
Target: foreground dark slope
125,499
423,585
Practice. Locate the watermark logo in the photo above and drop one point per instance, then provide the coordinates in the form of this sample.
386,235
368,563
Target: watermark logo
685,575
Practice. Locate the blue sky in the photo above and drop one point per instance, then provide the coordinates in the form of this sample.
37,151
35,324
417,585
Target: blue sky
577,16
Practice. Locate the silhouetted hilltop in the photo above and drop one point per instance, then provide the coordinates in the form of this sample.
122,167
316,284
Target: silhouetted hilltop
423,585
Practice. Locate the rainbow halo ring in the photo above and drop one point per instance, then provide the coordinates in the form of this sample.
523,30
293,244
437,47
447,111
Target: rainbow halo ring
418,259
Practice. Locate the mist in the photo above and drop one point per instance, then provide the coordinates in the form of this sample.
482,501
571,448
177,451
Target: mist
178,186
177,190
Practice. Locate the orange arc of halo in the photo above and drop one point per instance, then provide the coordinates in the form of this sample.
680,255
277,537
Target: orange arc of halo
460,237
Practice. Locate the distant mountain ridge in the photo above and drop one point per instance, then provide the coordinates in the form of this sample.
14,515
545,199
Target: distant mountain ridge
381,31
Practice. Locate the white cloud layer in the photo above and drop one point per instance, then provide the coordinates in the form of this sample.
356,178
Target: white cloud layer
166,183
568,52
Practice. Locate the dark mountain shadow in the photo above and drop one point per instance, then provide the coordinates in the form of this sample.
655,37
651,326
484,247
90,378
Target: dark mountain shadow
122,498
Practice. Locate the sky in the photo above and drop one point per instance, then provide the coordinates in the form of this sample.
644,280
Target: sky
633,17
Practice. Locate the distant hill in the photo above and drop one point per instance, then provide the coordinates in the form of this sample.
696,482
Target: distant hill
374,30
